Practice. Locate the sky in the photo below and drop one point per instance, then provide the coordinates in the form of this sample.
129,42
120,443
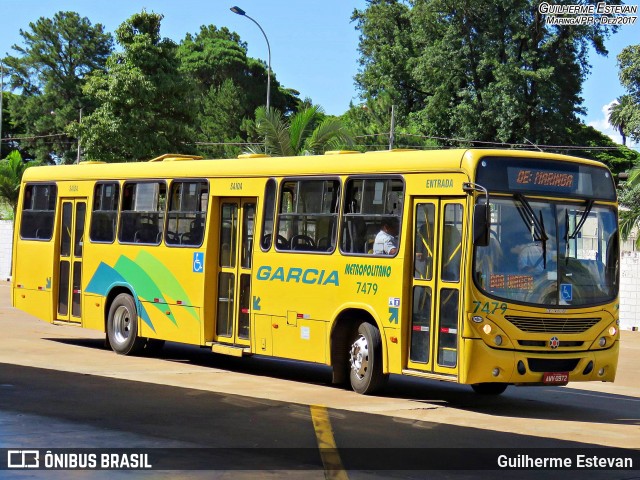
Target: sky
314,44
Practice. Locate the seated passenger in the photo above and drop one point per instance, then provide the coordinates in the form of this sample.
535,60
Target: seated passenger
386,242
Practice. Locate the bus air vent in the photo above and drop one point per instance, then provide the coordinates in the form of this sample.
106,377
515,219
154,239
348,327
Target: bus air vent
552,325
542,365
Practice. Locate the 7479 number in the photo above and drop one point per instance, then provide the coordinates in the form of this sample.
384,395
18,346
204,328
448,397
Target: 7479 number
489,307
367,288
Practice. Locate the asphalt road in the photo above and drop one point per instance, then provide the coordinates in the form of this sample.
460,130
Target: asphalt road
258,417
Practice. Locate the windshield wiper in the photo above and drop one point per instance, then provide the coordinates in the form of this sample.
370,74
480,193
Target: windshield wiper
526,211
583,219
537,225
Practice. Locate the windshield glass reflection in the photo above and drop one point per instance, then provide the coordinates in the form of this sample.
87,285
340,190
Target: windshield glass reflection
549,253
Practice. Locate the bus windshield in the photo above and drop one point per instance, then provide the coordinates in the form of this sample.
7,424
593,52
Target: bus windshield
549,253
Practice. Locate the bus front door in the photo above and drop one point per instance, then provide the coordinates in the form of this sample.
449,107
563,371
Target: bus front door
71,228
237,218
436,286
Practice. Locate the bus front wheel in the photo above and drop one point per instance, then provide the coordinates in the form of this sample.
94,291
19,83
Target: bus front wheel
365,358
122,326
489,388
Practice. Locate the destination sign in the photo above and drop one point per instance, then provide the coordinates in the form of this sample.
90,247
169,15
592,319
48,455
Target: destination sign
545,176
546,180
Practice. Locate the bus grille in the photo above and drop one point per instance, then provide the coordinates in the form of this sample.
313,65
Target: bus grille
541,365
553,325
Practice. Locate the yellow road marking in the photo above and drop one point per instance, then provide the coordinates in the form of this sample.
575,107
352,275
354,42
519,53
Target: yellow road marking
333,469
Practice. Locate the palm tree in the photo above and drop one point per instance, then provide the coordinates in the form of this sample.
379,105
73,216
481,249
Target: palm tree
307,132
629,199
11,170
619,115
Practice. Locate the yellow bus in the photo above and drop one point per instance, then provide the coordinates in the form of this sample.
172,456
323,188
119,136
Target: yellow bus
483,267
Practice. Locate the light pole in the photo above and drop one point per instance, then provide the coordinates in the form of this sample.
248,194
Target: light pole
79,123
239,11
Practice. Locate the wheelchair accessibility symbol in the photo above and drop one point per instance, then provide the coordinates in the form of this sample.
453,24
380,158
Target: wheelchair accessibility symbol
566,292
198,262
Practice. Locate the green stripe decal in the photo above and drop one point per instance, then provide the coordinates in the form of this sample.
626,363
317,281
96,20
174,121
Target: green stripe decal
145,287
104,279
165,280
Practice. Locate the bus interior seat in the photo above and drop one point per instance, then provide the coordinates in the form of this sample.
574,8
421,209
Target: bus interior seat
147,233
303,242
195,234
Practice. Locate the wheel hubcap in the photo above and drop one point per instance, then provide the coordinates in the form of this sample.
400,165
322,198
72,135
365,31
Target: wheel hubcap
121,324
359,356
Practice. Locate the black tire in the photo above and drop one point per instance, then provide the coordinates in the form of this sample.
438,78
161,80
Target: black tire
365,359
122,326
489,388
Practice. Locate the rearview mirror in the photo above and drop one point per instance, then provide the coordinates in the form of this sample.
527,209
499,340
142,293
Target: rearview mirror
481,225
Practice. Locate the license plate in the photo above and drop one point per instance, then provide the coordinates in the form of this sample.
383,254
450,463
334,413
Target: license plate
556,378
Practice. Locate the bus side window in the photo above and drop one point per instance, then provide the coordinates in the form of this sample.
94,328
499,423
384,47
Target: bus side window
105,212
308,214
369,202
187,212
142,216
451,242
38,212
268,214
423,244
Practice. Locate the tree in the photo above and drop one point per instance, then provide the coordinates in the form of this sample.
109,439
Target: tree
629,216
621,116
629,63
481,70
11,171
145,107
307,132
589,143
372,122
629,115
10,130
49,72
229,85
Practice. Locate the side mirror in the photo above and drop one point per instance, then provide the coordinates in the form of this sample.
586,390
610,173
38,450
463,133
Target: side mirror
481,225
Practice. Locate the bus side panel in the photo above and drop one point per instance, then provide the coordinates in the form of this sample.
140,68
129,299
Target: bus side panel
168,288
392,351
299,339
261,337
175,323
479,361
93,312
32,281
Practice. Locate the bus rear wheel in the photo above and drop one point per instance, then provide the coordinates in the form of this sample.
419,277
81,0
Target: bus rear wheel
365,359
122,326
489,388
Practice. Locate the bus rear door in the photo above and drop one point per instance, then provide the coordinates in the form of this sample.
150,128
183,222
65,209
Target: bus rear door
237,223
71,227
436,285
